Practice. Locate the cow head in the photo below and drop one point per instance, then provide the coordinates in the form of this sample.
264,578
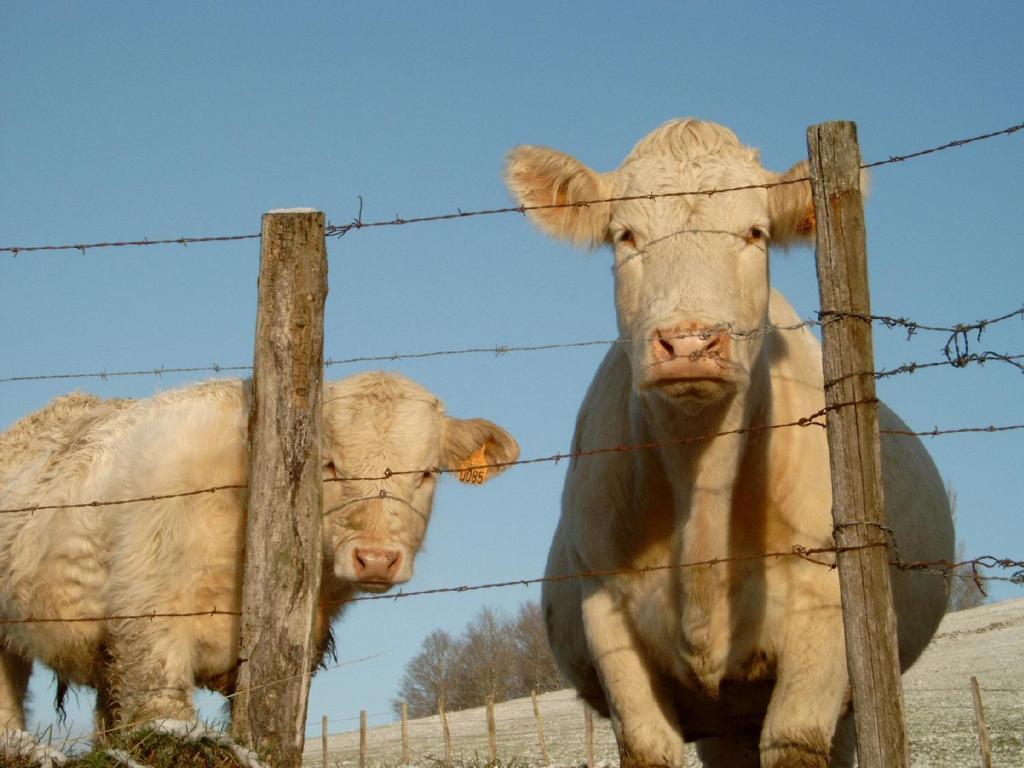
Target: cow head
378,424
691,271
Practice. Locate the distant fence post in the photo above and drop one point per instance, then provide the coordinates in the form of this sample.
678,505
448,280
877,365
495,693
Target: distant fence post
979,716
323,738
848,362
405,734
588,734
445,732
540,729
492,736
362,739
281,580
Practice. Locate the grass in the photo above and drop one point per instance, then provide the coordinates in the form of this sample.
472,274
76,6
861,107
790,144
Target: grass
154,750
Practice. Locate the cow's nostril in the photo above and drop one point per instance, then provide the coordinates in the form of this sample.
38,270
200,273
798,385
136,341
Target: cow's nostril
666,346
376,564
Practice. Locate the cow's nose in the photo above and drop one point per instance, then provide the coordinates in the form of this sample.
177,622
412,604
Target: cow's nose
376,563
689,343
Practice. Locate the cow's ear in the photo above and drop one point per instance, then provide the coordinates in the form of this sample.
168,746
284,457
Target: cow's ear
538,176
791,206
472,443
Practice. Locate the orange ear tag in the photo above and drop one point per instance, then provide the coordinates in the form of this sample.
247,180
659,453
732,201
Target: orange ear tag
473,470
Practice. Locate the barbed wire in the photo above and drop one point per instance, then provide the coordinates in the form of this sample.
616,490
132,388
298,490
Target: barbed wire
956,349
333,230
14,250
944,568
814,419
358,223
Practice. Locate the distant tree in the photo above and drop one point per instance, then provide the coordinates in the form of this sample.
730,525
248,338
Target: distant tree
963,592
537,668
487,663
428,674
494,656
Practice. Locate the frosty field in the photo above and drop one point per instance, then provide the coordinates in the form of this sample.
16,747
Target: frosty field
986,642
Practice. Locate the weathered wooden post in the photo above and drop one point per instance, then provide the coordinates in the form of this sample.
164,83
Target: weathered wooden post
323,738
588,734
363,745
283,534
405,734
492,732
848,362
979,718
540,729
446,732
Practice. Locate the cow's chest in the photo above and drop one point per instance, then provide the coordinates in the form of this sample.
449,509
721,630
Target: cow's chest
704,631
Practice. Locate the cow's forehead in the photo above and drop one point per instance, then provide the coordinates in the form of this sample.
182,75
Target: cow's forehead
661,174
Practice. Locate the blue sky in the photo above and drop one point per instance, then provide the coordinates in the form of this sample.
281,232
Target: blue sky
131,120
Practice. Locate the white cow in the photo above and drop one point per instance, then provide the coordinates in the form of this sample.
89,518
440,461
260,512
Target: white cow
747,658
183,554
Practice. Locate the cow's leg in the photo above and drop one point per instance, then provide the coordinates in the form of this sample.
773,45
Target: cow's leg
810,690
844,743
561,601
728,752
151,670
104,715
14,674
641,711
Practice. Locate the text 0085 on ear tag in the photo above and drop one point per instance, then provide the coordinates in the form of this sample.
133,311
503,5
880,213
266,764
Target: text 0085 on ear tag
474,469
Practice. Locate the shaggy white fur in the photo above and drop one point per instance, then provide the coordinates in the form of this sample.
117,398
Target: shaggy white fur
748,656
183,554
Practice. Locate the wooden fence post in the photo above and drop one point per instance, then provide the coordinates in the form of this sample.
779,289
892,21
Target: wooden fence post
979,716
492,731
323,738
540,729
281,580
588,734
362,739
445,732
405,734
848,362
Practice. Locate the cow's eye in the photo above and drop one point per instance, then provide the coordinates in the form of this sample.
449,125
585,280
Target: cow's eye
424,477
757,234
625,236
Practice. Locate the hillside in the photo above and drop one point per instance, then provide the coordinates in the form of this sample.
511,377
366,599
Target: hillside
986,642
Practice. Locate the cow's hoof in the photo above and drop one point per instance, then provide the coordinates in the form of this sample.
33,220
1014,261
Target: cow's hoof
17,743
193,730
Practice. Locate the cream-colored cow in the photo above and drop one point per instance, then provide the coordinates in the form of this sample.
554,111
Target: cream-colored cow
746,658
183,554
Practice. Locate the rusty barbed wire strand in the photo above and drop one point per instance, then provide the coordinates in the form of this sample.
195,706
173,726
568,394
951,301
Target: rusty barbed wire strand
956,357
948,145
929,567
133,500
14,250
804,421
333,230
104,375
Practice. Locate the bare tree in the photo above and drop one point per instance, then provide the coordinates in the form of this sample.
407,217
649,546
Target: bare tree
487,662
428,675
963,591
494,656
537,670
